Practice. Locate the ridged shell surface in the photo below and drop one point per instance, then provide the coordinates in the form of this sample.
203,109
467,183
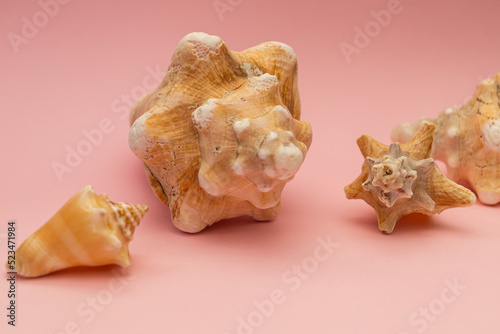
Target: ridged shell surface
89,230
397,180
467,140
221,135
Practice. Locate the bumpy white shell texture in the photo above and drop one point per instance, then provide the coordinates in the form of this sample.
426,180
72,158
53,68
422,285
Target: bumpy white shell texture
392,176
467,140
221,135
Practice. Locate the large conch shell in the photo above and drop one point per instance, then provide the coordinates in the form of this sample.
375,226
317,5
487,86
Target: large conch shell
221,135
467,140
397,180
89,230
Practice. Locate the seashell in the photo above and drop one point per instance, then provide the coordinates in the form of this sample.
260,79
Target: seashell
221,135
89,230
397,180
467,140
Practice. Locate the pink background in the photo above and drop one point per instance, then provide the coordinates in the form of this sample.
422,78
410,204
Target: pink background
74,72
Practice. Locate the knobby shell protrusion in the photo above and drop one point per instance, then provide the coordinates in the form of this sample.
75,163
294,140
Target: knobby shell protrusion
392,176
89,230
467,140
221,135
400,179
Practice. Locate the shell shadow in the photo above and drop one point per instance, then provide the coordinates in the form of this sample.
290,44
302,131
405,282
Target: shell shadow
416,223
410,224
227,225
244,233
79,272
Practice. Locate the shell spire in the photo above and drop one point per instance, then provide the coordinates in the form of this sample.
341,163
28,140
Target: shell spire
397,180
88,230
128,216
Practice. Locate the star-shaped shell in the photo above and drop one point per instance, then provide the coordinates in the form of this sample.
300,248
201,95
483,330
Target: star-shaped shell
397,180
221,136
467,140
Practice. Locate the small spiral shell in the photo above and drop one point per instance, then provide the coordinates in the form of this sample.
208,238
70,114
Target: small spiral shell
89,230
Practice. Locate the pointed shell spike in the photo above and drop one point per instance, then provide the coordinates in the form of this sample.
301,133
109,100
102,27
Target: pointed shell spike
467,140
400,179
88,230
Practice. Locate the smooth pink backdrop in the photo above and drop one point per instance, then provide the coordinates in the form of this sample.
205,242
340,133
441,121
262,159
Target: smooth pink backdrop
74,71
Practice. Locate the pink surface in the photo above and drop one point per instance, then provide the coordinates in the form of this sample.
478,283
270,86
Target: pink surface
85,65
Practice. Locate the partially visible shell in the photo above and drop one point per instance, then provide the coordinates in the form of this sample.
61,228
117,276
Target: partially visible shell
400,179
89,230
221,136
467,140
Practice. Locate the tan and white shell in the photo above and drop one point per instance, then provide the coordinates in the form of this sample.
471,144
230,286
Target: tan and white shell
89,230
397,180
221,135
467,140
